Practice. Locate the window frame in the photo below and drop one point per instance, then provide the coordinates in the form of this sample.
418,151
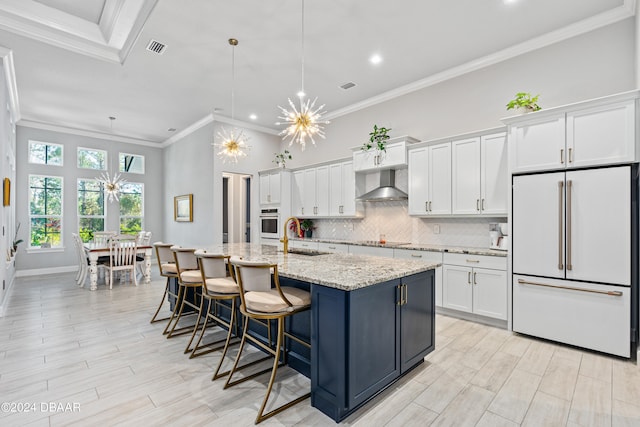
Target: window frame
141,216
60,217
33,141
133,155
104,205
106,158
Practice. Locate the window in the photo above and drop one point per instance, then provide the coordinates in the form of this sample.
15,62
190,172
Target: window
131,163
92,159
45,211
90,208
45,153
131,208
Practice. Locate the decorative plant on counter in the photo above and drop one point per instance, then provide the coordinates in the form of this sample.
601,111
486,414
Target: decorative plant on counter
524,101
307,226
377,139
292,227
281,158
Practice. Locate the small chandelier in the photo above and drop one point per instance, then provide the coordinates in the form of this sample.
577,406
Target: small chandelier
232,144
306,121
112,184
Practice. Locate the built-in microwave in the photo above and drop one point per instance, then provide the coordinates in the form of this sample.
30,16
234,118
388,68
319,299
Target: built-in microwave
269,223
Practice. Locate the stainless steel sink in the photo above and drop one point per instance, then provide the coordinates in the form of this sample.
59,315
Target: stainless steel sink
307,252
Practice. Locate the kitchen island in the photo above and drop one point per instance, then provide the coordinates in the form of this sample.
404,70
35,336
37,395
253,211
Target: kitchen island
372,320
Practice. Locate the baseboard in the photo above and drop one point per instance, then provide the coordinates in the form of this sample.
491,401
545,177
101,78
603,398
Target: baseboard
472,317
7,296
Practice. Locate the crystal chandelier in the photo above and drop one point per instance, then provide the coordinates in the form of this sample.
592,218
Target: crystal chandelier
111,183
305,122
232,144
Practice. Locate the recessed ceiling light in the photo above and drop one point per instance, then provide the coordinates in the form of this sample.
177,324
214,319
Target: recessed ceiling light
509,1
375,59
253,116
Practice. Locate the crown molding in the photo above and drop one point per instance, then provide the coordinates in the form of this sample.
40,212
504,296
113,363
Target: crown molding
36,124
210,118
111,40
6,55
626,10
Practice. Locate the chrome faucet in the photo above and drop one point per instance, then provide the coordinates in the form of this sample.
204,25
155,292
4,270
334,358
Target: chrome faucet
285,238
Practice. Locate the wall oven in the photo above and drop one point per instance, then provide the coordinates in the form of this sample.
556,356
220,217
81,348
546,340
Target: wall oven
269,223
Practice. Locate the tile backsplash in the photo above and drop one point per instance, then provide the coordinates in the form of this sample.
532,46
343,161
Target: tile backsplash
392,219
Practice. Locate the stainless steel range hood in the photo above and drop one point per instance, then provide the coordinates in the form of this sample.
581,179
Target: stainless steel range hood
386,190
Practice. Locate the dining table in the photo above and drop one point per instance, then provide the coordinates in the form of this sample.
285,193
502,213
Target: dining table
96,250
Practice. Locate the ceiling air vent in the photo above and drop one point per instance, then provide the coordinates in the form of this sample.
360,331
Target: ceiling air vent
347,85
156,47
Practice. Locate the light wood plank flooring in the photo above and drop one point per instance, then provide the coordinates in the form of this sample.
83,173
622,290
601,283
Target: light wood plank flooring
96,350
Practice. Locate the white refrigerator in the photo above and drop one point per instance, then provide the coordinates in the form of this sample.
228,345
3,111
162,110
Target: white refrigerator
574,240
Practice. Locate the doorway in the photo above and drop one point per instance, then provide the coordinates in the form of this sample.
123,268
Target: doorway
236,208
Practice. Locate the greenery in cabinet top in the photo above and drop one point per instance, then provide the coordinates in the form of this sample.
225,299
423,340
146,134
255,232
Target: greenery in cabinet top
377,139
524,100
281,158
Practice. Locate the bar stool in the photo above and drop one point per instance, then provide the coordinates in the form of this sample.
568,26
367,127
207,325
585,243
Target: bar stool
168,269
216,288
189,277
258,300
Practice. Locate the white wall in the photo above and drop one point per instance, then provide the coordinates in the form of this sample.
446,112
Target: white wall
191,166
152,180
591,65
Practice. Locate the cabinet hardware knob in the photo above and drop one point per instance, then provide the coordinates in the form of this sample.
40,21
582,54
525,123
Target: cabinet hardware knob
562,156
469,277
426,206
478,205
474,260
482,204
570,157
416,256
430,206
474,278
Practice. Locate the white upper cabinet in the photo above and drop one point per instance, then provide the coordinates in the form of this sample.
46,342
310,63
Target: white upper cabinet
270,188
466,176
591,133
601,135
538,144
479,175
310,192
430,180
394,156
494,177
342,190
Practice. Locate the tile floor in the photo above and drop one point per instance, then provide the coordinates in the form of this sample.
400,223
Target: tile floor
77,357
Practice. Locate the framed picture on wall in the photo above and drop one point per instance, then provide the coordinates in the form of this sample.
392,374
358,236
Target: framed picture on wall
6,192
183,208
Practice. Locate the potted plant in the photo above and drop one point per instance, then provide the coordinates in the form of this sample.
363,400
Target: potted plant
307,226
281,158
524,102
16,241
377,139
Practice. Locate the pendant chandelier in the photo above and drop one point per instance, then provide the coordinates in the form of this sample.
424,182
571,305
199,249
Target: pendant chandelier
111,183
232,144
306,121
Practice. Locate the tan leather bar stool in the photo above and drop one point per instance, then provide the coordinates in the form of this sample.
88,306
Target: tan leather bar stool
216,288
167,266
258,300
189,277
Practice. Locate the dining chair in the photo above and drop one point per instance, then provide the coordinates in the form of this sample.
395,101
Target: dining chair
144,239
260,301
167,266
218,286
101,238
122,257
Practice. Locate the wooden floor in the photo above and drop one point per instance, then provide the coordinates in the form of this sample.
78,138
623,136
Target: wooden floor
72,356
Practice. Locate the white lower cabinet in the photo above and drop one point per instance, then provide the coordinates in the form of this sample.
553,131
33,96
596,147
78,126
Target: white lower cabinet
583,314
427,256
371,250
333,247
303,244
475,284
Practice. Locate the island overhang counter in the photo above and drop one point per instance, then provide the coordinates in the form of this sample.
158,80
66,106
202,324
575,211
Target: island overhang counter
372,320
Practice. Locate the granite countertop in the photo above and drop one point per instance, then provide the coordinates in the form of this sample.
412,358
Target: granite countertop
412,246
341,271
